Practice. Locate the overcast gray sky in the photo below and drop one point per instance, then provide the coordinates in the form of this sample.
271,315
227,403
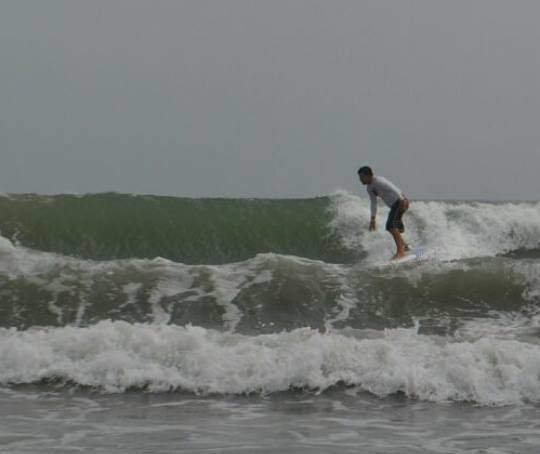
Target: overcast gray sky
272,98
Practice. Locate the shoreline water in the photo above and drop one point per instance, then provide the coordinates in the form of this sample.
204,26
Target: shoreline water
335,422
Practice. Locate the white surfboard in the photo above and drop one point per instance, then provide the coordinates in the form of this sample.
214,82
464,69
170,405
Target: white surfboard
409,257
414,255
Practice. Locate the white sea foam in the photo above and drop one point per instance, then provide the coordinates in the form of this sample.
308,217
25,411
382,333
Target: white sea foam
6,246
448,230
115,356
130,290
230,279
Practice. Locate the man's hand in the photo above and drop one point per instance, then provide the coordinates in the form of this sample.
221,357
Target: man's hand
372,225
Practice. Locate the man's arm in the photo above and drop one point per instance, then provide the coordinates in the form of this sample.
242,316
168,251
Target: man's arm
373,222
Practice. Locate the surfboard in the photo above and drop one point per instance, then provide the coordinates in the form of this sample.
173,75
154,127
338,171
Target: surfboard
409,257
414,255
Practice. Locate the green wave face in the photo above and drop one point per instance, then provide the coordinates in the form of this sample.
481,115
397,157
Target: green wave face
193,231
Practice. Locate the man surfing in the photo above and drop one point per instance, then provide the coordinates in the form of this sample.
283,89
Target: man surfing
378,186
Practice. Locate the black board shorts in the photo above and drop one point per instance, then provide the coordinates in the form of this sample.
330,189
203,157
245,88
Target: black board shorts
394,218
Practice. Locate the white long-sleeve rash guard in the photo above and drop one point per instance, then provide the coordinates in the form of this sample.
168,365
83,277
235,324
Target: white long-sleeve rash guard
386,190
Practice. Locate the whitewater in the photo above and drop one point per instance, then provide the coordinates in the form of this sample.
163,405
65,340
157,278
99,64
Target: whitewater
261,309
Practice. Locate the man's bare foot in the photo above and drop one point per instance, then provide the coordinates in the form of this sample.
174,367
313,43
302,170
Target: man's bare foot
399,255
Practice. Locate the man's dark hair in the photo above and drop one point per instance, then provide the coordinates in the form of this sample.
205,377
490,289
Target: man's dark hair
365,171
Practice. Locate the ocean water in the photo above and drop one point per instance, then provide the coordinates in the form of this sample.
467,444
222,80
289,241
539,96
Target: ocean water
160,324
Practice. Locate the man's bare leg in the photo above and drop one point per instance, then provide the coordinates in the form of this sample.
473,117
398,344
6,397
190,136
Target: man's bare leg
401,246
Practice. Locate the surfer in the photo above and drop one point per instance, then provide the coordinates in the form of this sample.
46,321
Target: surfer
394,198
